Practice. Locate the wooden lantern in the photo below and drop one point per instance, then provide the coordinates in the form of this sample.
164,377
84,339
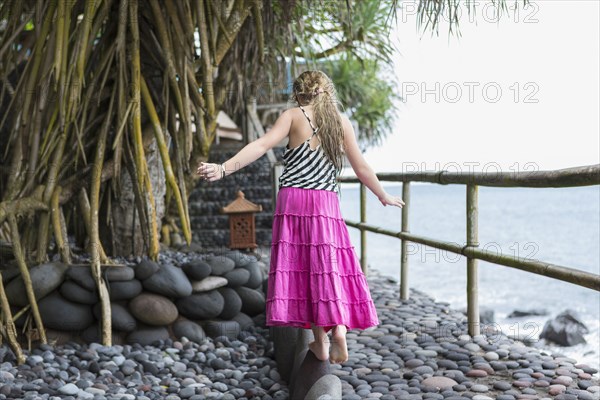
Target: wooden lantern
241,222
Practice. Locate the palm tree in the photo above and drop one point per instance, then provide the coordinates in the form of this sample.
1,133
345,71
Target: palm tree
108,105
104,104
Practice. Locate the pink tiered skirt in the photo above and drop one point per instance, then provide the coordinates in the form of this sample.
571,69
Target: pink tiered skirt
315,276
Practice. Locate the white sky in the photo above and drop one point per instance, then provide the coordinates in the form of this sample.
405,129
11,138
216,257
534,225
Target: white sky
553,46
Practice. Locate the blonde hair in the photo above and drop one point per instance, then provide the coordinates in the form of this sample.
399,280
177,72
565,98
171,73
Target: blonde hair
316,88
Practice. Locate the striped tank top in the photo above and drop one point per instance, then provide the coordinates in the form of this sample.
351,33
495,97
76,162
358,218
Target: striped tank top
307,168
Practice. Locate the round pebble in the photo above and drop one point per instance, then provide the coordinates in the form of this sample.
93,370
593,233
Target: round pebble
479,388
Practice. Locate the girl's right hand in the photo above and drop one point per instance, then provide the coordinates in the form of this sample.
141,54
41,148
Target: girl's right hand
390,200
210,172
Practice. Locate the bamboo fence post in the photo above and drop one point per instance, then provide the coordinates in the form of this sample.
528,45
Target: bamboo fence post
18,251
363,233
403,242
472,273
9,325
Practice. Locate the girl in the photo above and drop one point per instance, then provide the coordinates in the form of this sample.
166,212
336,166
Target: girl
315,280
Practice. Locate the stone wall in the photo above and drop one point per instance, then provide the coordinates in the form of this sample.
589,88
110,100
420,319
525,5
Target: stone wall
211,228
191,295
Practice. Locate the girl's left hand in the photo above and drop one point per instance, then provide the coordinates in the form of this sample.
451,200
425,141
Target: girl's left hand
210,172
389,200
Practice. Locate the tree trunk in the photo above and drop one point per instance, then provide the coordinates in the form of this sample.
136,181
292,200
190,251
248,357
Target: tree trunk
125,237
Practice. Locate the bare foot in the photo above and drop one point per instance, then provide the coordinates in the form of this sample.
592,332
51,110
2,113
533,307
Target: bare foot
320,349
339,349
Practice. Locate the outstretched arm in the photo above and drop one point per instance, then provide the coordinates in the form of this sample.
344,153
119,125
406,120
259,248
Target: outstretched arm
250,153
363,171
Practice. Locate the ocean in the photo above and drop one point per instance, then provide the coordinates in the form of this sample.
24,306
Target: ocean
556,225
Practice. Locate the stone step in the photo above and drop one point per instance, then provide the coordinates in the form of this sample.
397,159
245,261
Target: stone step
220,237
262,220
226,194
211,208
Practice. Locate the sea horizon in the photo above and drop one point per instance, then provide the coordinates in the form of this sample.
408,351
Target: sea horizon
555,225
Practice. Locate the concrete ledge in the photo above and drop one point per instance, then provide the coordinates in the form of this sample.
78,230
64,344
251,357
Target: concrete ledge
328,387
308,377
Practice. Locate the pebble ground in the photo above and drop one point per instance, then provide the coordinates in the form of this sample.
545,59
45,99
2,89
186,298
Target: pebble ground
419,351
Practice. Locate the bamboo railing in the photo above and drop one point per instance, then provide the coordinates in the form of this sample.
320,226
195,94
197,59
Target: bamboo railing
569,177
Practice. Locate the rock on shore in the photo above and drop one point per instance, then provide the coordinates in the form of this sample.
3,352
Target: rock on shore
566,329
